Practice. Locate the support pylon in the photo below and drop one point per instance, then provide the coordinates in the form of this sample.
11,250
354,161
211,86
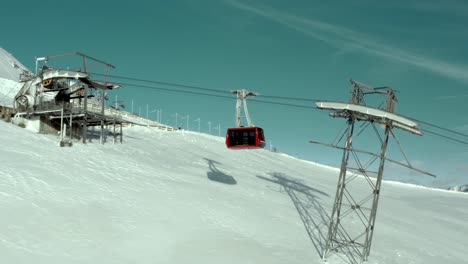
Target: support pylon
353,217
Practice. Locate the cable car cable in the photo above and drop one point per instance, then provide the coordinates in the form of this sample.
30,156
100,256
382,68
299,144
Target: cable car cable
260,101
446,137
201,88
284,104
214,95
164,83
289,98
442,128
175,90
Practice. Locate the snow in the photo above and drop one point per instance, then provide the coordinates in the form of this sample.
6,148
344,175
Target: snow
95,106
10,67
183,197
8,90
10,71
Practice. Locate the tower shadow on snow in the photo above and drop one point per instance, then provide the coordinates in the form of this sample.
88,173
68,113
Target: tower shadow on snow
216,175
308,205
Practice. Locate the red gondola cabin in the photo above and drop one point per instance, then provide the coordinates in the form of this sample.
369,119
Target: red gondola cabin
245,137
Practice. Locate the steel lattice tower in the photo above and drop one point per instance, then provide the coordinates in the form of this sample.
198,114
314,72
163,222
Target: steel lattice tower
352,221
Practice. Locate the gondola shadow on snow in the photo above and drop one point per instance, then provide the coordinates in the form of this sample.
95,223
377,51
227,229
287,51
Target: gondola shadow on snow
307,202
216,175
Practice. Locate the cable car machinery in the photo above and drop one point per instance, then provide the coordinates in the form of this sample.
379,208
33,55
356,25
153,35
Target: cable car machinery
242,137
50,94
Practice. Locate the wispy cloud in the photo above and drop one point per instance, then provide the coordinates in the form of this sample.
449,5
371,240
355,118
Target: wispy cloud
349,40
452,8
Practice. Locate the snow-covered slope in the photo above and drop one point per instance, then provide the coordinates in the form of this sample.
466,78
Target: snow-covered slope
10,71
182,197
10,67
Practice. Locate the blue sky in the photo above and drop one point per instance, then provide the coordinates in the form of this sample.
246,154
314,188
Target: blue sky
305,49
